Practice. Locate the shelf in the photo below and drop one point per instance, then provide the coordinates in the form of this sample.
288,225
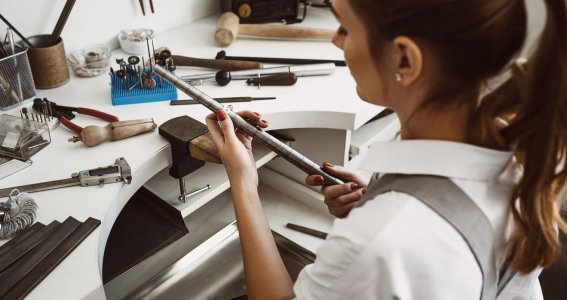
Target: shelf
381,130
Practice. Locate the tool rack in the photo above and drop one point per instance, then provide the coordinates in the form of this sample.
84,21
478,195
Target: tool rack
121,93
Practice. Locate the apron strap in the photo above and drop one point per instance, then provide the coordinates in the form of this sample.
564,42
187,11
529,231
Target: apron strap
450,202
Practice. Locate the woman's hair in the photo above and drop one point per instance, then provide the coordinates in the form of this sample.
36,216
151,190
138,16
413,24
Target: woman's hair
476,40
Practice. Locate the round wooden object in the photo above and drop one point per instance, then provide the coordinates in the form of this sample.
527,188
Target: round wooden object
227,29
48,62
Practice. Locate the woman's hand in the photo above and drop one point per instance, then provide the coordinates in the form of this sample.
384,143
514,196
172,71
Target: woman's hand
235,146
340,198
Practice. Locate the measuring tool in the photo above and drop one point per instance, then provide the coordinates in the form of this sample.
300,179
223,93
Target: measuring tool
118,172
288,153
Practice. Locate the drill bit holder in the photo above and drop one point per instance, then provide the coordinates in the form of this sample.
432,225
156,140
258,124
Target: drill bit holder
135,83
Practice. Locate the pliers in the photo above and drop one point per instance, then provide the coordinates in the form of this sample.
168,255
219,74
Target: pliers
65,113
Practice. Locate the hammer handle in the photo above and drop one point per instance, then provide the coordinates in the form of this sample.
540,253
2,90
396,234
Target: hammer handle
228,65
285,31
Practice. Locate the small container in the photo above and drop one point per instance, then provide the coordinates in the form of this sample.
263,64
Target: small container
47,61
22,138
92,60
133,41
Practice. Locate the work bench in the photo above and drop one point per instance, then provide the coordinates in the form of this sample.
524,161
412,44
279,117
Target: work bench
322,113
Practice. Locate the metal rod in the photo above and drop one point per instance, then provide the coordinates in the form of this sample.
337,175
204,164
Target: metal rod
287,61
16,31
300,70
306,230
271,142
62,20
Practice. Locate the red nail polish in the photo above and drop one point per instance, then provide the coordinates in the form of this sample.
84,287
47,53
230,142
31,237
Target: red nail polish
257,114
328,165
319,179
220,115
353,186
265,122
364,191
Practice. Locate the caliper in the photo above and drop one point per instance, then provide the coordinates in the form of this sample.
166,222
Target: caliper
119,172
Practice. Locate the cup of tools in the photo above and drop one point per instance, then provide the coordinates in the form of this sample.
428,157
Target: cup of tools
16,82
48,61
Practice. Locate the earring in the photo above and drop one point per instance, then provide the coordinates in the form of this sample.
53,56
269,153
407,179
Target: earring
398,77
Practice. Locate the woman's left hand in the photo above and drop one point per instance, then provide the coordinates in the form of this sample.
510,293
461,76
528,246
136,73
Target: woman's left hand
235,146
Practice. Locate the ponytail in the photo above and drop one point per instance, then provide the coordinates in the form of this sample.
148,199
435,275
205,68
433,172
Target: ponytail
534,104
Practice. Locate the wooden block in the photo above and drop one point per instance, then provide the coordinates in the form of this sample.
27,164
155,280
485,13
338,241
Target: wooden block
203,148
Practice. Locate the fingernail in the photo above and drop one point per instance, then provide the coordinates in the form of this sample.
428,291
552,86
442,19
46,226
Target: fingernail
319,179
328,165
353,186
364,191
220,115
265,122
257,114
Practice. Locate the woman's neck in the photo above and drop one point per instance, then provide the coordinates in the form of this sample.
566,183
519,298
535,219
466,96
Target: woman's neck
436,122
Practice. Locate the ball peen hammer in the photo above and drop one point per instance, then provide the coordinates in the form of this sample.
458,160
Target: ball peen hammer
229,27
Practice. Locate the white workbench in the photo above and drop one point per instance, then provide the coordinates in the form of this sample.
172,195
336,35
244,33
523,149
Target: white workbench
314,102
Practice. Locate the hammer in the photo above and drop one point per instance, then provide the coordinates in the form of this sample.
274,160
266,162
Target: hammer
228,27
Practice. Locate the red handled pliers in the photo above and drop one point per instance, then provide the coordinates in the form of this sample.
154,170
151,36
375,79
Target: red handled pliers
65,113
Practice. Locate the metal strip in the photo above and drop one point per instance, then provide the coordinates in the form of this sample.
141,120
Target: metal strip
26,285
26,264
42,186
19,245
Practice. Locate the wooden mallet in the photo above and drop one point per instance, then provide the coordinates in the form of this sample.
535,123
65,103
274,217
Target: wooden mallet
229,27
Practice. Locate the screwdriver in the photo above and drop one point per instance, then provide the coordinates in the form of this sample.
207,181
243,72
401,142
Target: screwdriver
95,135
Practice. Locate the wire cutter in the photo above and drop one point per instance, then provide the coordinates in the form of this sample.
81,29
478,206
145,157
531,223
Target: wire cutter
65,113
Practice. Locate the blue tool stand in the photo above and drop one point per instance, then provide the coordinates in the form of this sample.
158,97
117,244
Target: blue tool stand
121,95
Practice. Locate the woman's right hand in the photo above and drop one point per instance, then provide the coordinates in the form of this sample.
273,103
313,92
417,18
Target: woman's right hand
340,198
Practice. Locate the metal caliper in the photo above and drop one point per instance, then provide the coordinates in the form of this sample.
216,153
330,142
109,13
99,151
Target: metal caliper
119,172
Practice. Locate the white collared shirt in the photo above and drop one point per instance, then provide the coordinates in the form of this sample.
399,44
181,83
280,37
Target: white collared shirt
398,248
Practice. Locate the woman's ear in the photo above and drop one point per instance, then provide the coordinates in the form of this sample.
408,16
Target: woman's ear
409,60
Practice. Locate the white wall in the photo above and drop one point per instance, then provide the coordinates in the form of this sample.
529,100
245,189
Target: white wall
99,21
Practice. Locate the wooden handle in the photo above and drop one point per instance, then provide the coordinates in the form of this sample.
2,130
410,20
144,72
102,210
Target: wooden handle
285,31
203,148
280,79
227,29
217,64
95,135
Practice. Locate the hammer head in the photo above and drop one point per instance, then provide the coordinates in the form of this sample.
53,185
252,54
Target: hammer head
227,29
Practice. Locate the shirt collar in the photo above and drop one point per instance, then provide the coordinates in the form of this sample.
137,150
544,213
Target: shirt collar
433,157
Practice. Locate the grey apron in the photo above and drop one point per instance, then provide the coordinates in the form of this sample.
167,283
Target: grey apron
452,204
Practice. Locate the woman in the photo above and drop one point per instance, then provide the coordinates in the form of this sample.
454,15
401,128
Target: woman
504,150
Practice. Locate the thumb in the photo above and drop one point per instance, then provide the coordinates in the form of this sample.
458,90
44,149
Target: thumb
343,173
225,124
